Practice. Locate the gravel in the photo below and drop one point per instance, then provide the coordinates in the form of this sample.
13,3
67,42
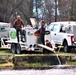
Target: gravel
39,72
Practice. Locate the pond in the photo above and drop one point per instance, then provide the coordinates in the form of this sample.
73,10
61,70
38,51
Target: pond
39,72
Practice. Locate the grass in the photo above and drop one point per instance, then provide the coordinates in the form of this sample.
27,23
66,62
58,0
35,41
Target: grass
7,65
36,64
72,63
66,54
5,51
27,65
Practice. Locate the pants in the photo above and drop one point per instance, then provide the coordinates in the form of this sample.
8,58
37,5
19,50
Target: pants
43,39
18,30
43,42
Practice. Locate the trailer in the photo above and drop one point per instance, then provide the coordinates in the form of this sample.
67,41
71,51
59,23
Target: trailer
31,43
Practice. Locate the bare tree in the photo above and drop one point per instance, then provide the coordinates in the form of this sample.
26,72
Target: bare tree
10,8
67,9
47,10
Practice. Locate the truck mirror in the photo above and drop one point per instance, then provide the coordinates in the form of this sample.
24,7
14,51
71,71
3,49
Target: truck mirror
47,32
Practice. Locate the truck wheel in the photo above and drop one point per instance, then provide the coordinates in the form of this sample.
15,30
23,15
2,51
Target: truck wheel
13,48
18,49
65,49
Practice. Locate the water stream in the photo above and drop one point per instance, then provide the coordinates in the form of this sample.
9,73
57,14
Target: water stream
52,50
58,59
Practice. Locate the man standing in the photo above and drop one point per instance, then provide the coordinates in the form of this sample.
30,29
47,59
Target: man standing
42,32
18,24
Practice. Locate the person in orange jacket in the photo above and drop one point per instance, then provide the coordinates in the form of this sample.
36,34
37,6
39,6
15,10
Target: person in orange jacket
18,24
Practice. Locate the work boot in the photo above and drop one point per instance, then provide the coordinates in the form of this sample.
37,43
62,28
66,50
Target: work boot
22,40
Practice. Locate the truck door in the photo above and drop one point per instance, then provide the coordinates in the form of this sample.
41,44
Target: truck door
55,35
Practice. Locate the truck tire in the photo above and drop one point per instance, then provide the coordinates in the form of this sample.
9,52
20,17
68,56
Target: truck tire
13,48
65,48
18,49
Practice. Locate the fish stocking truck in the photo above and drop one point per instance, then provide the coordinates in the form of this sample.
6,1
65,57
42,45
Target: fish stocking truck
31,40
64,34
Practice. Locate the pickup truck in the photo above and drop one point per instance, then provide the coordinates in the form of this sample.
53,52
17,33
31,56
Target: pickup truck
63,34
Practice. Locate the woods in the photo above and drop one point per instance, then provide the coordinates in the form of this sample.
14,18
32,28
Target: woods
49,10
9,9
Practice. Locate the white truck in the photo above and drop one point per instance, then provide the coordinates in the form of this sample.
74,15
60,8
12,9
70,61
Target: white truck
63,33
4,34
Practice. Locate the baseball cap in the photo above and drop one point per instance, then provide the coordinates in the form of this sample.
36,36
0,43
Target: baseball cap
18,16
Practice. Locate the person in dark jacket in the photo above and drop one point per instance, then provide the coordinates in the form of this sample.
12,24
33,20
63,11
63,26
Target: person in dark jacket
18,24
42,32
48,43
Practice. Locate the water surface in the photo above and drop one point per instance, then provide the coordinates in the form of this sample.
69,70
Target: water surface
39,72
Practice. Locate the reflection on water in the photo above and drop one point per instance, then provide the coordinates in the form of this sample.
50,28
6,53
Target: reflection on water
39,72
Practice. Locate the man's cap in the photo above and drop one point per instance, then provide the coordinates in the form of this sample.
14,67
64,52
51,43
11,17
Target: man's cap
18,16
